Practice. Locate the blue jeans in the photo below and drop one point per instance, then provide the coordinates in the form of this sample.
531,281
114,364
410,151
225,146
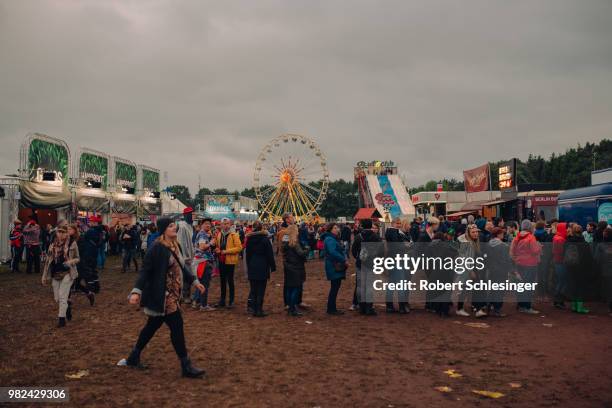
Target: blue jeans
560,282
129,256
101,256
293,296
528,274
202,298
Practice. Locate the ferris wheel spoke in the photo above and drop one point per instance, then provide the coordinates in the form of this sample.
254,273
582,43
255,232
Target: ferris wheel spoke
304,197
309,165
267,190
299,203
311,188
269,203
310,199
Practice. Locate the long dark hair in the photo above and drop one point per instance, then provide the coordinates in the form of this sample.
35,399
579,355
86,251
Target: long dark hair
330,226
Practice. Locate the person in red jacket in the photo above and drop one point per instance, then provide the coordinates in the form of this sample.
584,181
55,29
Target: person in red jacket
16,238
560,272
525,251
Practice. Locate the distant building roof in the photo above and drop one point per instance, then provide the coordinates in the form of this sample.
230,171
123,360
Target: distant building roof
603,190
367,213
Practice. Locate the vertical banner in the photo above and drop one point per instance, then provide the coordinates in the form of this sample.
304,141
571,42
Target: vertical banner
150,180
45,167
93,169
477,179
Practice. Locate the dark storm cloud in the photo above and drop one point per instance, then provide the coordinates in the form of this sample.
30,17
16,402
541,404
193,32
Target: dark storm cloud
199,87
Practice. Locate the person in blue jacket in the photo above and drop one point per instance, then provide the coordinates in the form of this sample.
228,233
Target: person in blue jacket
336,265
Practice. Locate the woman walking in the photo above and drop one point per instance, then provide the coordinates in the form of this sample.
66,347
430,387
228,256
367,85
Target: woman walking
260,262
294,258
60,268
336,265
158,289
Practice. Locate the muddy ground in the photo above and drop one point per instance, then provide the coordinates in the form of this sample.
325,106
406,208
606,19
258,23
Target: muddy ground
555,359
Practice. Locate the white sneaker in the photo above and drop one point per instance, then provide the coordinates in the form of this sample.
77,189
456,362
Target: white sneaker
194,305
462,312
481,313
207,308
530,311
353,307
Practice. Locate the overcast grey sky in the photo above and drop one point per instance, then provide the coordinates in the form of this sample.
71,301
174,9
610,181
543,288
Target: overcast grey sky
198,87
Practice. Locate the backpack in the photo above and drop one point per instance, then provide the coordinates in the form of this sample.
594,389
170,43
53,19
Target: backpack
571,256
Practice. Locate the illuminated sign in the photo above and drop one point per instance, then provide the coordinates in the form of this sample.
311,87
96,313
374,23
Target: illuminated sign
507,176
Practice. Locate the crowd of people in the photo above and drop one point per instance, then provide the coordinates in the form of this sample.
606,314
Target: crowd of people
181,258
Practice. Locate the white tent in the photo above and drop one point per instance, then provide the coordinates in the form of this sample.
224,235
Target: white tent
171,206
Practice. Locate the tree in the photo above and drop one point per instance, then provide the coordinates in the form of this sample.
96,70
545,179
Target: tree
250,192
341,199
447,185
199,197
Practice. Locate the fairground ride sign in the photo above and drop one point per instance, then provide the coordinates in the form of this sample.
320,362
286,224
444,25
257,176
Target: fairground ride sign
375,163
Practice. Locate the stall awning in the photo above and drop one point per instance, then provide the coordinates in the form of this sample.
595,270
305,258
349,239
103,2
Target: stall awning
473,206
367,213
496,202
456,215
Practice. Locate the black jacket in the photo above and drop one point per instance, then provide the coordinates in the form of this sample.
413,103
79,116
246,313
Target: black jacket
415,230
151,280
366,235
259,256
132,242
424,237
293,264
395,235
580,275
345,234
498,261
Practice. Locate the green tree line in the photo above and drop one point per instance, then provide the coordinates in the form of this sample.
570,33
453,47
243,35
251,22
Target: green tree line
564,171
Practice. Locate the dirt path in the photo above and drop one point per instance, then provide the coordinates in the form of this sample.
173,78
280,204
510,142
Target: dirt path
346,361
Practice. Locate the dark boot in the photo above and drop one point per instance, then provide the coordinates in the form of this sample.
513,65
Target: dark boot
403,308
363,308
133,359
61,322
69,311
390,308
189,370
91,297
294,312
370,310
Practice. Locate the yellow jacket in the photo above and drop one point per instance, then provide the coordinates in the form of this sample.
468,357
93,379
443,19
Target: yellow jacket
232,248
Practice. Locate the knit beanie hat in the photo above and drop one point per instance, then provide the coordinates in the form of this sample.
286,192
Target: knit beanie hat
481,223
162,224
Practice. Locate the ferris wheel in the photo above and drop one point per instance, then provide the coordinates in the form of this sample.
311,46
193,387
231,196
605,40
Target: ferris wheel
290,176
